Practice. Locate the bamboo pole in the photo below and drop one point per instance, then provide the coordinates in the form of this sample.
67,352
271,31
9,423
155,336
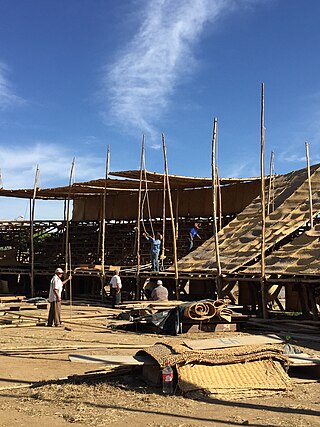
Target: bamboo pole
309,185
32,228
175,257
263,208
70,283
220,199
163,222
138,222
103,242
68,218
177,214
214,204
270,181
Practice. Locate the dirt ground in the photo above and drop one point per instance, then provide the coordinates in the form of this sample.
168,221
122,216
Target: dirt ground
103,398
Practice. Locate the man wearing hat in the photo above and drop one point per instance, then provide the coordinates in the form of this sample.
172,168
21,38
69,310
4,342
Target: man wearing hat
160,293
55,291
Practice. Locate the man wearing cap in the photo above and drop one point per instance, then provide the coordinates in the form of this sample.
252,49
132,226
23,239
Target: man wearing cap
115,288
160,293
55,291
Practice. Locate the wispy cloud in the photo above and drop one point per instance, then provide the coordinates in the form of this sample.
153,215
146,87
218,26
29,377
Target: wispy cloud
7,96
54,162
140,82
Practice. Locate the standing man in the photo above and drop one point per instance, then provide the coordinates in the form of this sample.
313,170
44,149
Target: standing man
55,291
154,250
115,288
192,234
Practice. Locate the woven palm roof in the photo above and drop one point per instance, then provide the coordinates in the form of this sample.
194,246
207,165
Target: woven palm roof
131,184
299,257
177,181
240,240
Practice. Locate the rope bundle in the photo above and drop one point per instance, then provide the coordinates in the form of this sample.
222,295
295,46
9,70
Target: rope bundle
205,310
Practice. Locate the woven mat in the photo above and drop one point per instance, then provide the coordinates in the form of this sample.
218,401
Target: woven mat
239,379
165,354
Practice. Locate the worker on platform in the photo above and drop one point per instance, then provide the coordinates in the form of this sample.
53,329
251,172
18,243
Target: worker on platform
159,293
155,245
55,291
192,234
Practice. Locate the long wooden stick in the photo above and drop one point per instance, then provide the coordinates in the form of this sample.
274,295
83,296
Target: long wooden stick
214,204
103,221
175,257
163,221
309,185
138,222
270,182
220,199
263,207
32,228
68,218
70,283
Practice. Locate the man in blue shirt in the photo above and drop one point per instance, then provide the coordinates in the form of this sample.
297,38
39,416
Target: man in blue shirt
154,249
192,234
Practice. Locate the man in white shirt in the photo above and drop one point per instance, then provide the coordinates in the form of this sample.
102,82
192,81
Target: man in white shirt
115,288
56,286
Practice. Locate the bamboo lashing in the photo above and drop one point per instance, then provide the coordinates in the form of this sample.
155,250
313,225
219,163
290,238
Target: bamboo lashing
309,186
175,257
263,208
32,227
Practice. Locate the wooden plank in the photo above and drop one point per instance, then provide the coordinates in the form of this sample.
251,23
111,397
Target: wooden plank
235,341
303,359
112,360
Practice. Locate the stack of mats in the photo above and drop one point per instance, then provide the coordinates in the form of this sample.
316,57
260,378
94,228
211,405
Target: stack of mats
227,373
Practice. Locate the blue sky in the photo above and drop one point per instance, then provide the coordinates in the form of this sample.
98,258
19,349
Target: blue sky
76,75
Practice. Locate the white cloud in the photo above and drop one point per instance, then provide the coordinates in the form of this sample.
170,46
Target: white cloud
7,96
140,82
18,165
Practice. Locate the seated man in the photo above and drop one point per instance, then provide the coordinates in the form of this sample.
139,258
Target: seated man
160,293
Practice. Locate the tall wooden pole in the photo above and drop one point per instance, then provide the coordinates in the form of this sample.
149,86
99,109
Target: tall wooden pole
68,219
270,182
263,208
214,204
32,228
163,221
138,296
220,199
309,185
103,242
70,283
175,257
